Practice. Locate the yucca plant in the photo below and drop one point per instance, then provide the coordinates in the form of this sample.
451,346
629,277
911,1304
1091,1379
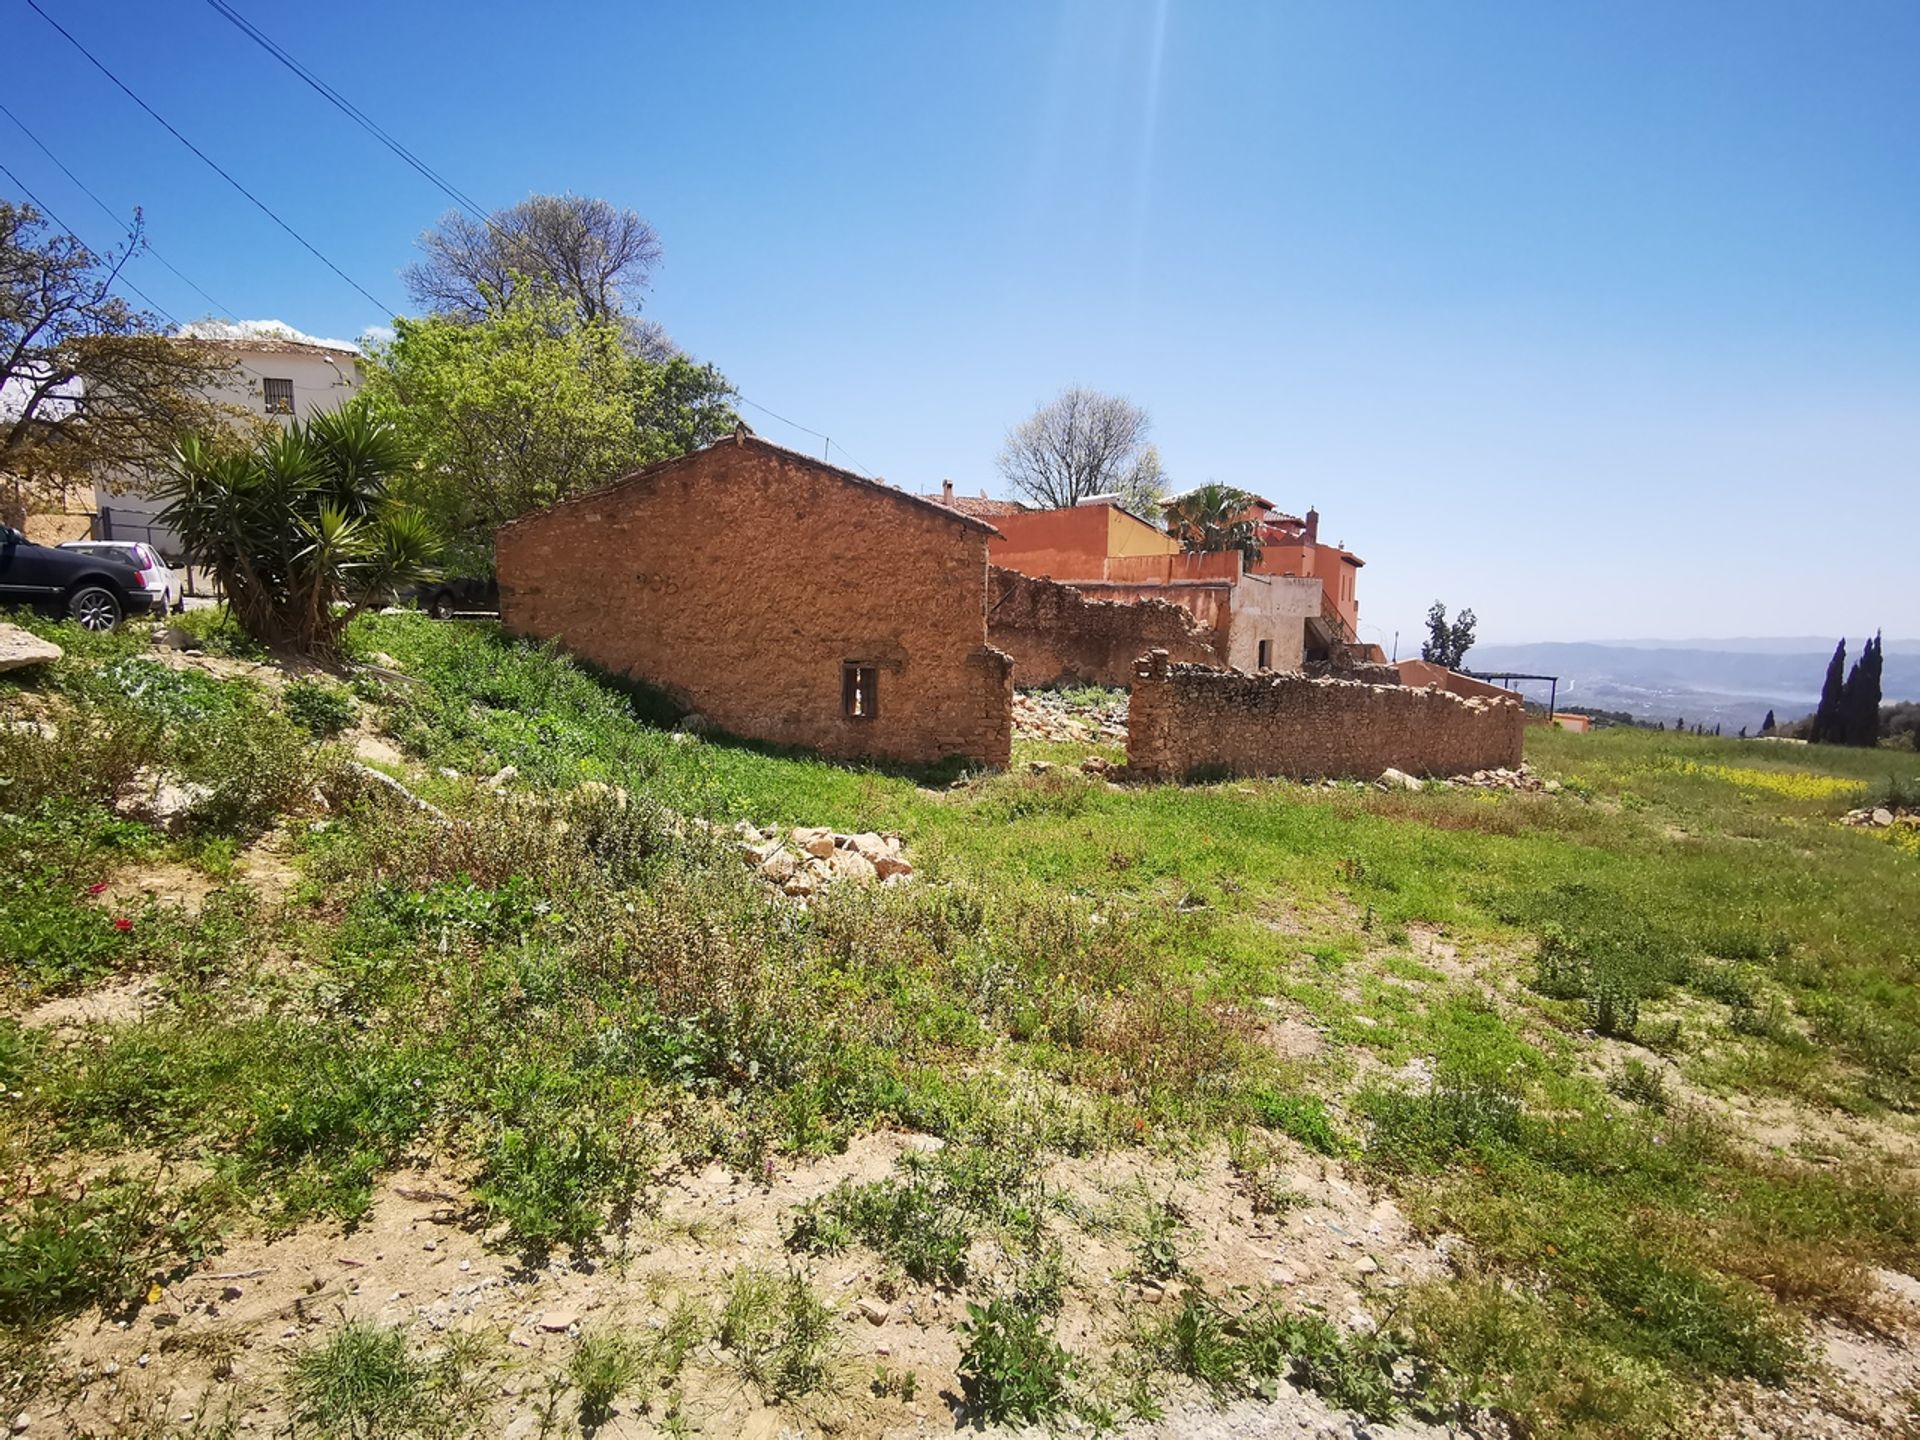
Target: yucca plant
300,530
1215,517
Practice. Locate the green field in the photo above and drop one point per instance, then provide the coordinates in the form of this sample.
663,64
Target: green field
1645,1049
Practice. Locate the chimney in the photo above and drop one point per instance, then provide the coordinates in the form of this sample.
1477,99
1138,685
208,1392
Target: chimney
946,492
1313,527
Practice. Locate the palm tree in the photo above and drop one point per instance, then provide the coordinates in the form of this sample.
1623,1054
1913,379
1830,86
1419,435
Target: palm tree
1215,517
300,530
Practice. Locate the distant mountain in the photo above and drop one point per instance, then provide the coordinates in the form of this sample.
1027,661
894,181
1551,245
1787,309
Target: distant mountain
1726,682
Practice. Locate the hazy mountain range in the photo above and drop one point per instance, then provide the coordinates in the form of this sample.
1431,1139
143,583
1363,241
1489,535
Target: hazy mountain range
1726,682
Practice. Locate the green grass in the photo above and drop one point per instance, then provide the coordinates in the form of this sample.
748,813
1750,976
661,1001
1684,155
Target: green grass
570,990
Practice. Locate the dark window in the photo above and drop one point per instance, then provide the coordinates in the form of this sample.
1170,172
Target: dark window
1266,654
859,691
279,395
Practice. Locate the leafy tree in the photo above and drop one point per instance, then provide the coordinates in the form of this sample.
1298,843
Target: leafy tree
1447,644
1144,490
1214,517
1860,698
90,388
1829,722
1081,443
522,409
301,530
589,253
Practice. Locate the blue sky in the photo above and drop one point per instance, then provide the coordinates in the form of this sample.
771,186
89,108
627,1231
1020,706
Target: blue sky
1603,319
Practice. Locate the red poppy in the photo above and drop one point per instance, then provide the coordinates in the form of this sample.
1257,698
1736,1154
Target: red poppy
122,924
97,887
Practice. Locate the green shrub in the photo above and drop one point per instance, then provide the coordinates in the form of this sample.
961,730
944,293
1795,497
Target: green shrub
319,707
103,1246
1012,1370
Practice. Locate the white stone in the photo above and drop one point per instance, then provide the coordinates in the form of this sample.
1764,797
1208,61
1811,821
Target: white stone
20,648
852,865
1391,779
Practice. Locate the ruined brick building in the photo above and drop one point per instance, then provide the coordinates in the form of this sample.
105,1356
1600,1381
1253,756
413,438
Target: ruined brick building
780,597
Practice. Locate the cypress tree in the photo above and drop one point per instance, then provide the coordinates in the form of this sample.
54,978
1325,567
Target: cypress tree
1828,726
1860,698
1766,725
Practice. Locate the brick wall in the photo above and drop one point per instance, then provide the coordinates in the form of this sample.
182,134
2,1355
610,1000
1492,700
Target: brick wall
1185,721
743,577
1057,635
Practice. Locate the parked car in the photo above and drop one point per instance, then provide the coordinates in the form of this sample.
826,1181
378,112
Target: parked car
95,590
443,597
162,583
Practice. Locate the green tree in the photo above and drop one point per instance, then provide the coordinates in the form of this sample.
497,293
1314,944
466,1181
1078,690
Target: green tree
1829,722
1860,698
1447,643
301,530
510,413
1766,725
1214,517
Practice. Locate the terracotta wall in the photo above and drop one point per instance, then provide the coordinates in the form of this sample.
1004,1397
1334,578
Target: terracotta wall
1060,634
1184,721
742,577
1425,672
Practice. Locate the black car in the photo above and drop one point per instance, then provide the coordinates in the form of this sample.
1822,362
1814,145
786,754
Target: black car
453,594
93,589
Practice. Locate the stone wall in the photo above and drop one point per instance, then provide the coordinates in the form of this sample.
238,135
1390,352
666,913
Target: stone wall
745,578
1184,721
1057,635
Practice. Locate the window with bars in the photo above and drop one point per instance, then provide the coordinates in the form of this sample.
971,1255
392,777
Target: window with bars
859,691
279,396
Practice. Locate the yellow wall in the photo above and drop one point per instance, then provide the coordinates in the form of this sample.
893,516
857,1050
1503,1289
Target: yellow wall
1127,535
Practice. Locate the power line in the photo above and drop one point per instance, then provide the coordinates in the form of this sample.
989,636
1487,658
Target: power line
433,177
118,274
109,210
348,108
260,204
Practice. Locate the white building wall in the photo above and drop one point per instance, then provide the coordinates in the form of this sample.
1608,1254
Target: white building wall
322,381
1274,608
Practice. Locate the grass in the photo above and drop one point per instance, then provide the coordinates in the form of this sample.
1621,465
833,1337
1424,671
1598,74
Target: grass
568,991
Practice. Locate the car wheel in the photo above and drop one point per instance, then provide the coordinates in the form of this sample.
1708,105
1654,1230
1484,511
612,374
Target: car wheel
442,606
94,607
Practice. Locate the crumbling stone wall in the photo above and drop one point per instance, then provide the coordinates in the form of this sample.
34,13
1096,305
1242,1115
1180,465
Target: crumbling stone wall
744,578
1057,635
1184,721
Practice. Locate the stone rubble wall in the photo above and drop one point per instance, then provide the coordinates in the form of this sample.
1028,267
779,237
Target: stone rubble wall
1190,722
1057,636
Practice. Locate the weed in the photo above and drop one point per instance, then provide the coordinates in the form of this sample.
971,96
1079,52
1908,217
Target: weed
361,1382
1643,1084
604,1364
1254,1161
780,1333
1157,1248
1304,1117
1011,1367
320,707
889,1383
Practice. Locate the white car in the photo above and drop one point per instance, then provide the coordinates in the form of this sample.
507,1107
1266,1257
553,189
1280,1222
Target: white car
159,580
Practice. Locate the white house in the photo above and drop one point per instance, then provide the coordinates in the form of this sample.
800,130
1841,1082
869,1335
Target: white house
276,372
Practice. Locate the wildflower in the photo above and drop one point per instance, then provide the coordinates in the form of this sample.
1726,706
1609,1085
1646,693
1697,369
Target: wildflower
98,887
122,924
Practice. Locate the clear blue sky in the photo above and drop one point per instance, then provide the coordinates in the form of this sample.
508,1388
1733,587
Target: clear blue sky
1603,319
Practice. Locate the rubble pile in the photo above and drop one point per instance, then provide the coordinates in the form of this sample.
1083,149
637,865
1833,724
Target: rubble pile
807,859
1050,715
1879,817
1522,778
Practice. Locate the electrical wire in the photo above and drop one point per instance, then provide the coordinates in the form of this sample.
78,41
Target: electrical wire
446,187
147,247
119,277
259,204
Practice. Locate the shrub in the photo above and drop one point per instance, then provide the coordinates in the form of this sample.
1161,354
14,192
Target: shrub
1012,1370
1304,1117
319,707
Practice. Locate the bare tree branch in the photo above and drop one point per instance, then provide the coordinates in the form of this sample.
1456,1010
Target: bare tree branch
1082,443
